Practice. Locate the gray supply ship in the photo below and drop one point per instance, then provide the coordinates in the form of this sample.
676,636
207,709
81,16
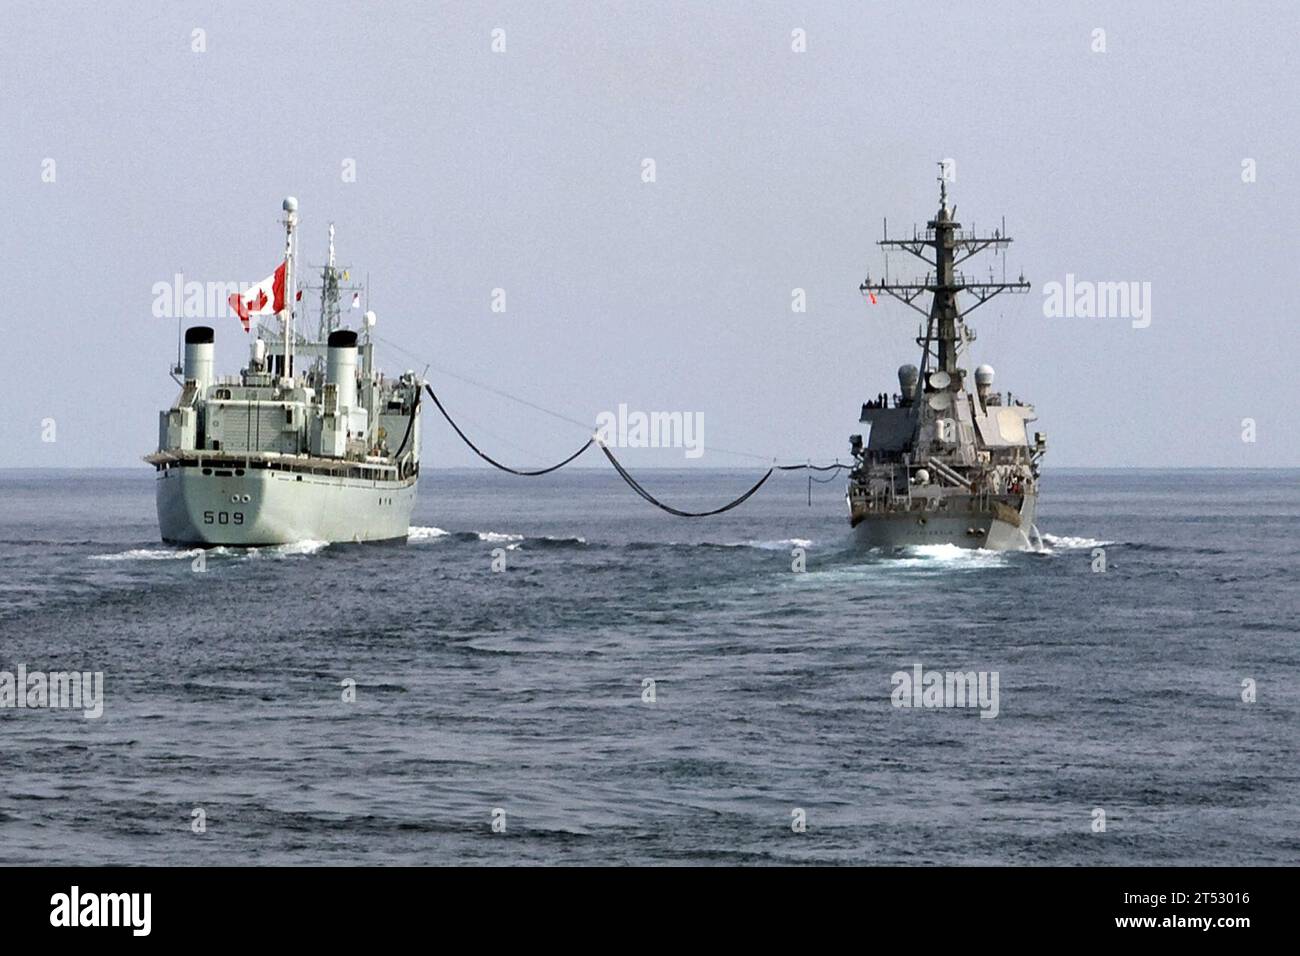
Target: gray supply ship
943,464
308,442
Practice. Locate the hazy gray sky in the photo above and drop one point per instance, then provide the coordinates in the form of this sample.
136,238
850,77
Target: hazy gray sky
522,170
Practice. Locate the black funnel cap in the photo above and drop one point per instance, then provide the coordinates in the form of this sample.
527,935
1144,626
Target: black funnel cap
343,339
199,335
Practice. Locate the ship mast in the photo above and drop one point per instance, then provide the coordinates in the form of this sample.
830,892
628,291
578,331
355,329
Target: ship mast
290,207
329,294
334,282
943,246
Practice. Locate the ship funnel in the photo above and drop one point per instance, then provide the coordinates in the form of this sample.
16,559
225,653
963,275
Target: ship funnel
341,366
198,356
908,375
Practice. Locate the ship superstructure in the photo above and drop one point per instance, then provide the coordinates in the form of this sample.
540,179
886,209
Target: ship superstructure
308,442
942,463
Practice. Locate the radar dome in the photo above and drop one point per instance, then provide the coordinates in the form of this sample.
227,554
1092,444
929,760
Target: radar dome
907,377
984,375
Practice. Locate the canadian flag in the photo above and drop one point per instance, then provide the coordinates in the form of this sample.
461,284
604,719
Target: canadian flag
265,298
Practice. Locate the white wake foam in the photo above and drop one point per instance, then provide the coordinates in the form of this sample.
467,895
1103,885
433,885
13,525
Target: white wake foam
148,554
290,550
947,555
498,536
425,534
782,544
1067,543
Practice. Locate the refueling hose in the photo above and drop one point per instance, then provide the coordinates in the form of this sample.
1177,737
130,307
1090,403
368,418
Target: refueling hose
410,424
618,467
492,461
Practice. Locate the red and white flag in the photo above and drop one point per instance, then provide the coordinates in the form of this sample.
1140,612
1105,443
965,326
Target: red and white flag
356,300
265,298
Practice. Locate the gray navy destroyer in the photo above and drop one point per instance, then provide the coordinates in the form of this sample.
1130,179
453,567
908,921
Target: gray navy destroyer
943,464
309,442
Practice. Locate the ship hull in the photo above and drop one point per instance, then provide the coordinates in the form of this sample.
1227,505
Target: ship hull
257,507
909,529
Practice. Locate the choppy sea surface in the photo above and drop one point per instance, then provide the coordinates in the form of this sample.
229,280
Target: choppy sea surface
520,696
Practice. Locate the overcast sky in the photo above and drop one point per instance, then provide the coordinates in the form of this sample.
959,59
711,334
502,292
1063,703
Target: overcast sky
522,170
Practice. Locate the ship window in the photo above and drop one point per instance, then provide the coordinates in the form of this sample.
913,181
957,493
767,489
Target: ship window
288,416
216,445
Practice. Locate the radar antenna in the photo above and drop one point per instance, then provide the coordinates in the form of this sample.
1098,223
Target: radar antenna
943,246
334,281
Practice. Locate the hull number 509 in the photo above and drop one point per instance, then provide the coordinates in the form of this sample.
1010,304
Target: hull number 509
223,517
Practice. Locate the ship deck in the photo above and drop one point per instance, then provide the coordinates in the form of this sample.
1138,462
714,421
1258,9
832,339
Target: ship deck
238,462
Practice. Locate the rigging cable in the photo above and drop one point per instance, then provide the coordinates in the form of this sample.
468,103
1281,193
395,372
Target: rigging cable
493,462
541,408
811,467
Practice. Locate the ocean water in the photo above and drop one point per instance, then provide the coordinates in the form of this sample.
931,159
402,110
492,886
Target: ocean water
519,695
